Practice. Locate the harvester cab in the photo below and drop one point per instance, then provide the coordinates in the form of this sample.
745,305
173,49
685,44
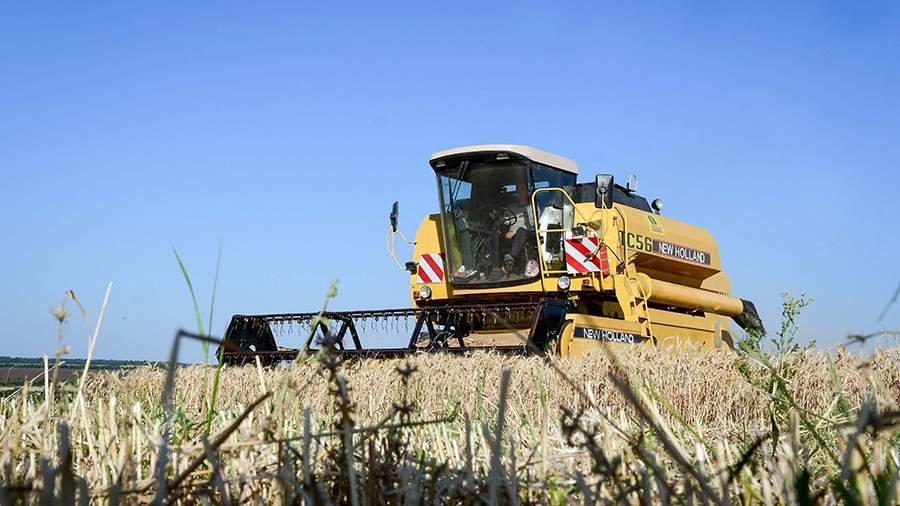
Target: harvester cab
489,220
522,258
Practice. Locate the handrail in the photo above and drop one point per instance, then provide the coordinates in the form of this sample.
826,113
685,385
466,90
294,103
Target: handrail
629,278
537,231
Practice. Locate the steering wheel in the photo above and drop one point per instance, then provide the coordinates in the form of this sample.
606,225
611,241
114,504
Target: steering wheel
507,217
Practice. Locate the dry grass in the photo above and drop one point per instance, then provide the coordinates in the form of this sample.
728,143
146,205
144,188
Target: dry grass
705,389
692,419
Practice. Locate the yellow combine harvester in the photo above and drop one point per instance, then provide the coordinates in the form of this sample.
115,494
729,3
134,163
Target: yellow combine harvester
522,258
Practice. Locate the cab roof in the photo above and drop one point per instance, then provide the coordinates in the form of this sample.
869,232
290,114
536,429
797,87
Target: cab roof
533,154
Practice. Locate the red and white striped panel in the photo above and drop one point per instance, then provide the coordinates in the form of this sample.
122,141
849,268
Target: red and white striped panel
431,268
581,257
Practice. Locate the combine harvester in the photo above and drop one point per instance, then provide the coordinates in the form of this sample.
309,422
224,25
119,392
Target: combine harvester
519,251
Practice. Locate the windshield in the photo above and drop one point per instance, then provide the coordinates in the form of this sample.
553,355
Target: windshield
488,223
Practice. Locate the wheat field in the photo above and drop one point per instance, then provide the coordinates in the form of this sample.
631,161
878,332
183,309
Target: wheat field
801,427
705,389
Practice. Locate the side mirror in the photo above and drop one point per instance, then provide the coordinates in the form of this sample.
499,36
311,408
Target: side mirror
604,183
395,211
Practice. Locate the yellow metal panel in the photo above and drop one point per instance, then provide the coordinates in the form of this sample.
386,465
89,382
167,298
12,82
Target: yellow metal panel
681,320
681,339
533,287
670,245
718,283
572,346
429,239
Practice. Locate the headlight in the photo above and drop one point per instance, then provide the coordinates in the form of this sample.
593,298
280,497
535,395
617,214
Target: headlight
564,282
425,292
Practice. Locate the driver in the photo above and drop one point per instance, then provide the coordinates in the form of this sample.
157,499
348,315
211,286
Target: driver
519,231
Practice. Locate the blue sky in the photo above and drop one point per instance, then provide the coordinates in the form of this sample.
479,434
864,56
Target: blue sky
286,130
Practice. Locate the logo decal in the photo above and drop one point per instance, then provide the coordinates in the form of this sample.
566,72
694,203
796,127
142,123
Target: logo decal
655,225
650,245
609,336
681,252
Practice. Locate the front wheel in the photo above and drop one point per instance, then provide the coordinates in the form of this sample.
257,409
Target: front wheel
560,346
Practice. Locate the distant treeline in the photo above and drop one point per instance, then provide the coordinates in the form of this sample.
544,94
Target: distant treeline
74,363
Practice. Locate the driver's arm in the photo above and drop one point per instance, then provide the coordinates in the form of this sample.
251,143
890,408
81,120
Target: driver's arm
519,224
